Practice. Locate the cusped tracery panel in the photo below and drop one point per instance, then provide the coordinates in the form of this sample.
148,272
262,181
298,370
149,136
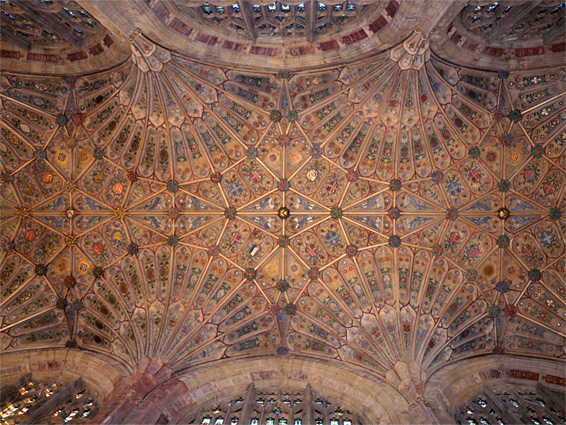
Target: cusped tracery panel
514,20
276,406
517,404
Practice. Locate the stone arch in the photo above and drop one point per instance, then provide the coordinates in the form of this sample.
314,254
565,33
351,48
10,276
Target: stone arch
68,384
450,387
101,374
373,400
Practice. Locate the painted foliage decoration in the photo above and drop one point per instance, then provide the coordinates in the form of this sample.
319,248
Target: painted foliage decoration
398,209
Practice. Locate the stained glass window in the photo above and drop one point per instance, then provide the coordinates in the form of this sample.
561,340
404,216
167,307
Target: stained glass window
511,405
273,407
37,401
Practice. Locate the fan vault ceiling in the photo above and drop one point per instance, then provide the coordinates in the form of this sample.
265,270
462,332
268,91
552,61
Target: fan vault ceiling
398,209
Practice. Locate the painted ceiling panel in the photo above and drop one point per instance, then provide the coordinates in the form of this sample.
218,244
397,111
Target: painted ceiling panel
394,210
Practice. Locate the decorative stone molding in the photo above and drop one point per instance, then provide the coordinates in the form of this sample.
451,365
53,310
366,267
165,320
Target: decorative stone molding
414,51
146,54
408,379
130,392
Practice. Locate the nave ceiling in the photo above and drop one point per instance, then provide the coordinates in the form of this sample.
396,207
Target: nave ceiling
392,214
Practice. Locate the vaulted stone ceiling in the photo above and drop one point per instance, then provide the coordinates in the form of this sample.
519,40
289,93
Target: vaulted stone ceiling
394,211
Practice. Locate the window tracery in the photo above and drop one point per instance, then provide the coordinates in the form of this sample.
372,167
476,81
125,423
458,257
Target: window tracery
544,20
279,19
274,407
513,21
511,405
34,401
47,22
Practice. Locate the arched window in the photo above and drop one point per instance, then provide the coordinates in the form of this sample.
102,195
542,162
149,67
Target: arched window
513,405
274,407
32,401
